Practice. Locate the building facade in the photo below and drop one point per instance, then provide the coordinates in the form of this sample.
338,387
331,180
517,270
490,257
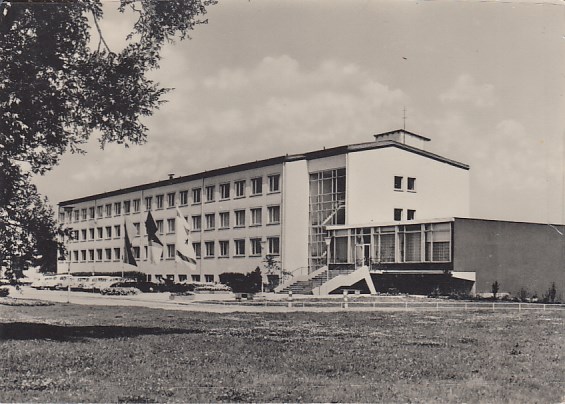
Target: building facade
282,207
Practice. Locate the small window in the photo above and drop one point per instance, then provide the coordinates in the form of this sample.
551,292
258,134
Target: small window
239,248
159,200
170,225
136,253
209,278
256,216
398,183
195,278
257,186
108,231
183,197
224,248
136,229
210,221
274,183
108,253
159,224
410,214
117,231
117,254
91,233
100,211
224,220
411,185
225,191
83,234
255,246
183,278
108,210
91,255
210,193
274,214
197,249
83,214
83,255
91,212
148,202
99,254
127,207
136,203
117,208
171,200
100,232
196,222
77,214
170,251
274,245
397,215
196,195
239,218
209,248
239,188
75,256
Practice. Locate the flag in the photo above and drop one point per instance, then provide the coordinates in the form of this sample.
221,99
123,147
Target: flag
184,250
154,245
127,256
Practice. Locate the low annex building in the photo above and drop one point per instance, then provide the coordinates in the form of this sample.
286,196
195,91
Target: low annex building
364,207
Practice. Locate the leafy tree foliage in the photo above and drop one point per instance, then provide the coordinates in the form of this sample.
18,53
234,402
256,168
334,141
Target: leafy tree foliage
60,82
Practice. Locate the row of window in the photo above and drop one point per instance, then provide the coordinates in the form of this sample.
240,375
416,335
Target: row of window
252,247
399,184
210,194
399,214
256,219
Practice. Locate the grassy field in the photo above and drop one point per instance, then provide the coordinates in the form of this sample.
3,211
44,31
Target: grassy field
66,353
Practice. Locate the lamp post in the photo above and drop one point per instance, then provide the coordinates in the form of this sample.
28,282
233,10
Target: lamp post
328,241
69,210
263,242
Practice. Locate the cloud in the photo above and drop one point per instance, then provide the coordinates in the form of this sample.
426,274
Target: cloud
466,90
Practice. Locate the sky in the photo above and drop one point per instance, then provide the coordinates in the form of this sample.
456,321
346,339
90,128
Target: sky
483,79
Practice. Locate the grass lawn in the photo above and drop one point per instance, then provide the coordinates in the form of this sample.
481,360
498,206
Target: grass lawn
68,353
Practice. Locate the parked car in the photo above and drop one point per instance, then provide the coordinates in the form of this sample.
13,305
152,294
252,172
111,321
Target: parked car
57,282
40,283
81,283
101,282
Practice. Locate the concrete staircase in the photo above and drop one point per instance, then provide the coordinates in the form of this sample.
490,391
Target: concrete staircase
314,281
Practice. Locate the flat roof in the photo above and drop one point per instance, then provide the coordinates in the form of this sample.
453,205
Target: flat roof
313,155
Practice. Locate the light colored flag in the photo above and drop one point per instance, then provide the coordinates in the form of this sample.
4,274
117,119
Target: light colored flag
127,256
154,244
184,250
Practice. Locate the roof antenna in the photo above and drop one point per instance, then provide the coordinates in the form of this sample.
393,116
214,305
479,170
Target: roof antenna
404,119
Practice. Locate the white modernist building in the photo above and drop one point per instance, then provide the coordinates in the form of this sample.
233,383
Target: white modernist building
284,207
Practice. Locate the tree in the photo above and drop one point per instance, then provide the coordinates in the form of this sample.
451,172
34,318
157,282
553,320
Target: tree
494,288
60,82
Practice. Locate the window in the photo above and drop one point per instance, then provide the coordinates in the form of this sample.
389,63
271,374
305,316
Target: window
108,253
385,241
209,248
83,234
127,207
274,245
195,278
196,222
183,197
117,231
83,214
196,195
91,212
183,278
210,221
136,253
438,242
255,246
410,214
225,191
136,203
224,220
239,248
398,214
171,200
91,255
239,188
159,200
256,216
197,249
136,229
209,278
274,214
75,256
397,183
410,243
108,210
83,255
210,193
239,218
91,233
170,251
170,225
100,211
75,235
100,232
411,185
224,248
99,254
116,254
108,231
77,215
117,208
159,224
257,186
274,183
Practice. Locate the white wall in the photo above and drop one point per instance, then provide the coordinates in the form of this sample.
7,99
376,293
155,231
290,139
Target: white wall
442,190
295,215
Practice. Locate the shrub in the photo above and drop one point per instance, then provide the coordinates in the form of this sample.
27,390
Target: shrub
495,287
549,296
4,292
243,283
522,295
119,291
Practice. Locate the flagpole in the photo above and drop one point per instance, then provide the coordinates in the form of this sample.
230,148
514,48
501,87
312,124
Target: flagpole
201,225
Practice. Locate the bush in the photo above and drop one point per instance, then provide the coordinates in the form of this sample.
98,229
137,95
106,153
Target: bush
117,291
243,283
4,292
